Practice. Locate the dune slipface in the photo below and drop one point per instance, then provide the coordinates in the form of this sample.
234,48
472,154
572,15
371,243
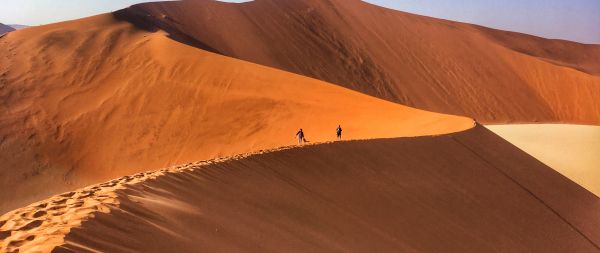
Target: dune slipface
4,29
462,192
572,150
438,65
93,99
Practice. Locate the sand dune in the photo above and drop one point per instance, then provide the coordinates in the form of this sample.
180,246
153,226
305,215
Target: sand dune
159,84
463,192
572,150
4,29
438,65
94,99
18,27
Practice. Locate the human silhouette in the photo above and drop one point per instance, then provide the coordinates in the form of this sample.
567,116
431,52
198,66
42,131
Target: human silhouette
300,135
338,131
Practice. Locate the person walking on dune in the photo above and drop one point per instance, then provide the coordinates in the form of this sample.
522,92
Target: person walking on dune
338,131
300,135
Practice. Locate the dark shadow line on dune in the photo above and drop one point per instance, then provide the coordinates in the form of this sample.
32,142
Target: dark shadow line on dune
509,177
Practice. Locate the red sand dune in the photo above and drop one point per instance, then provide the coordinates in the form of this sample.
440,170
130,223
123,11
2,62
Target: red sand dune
438,65
98,98
90,100
462,192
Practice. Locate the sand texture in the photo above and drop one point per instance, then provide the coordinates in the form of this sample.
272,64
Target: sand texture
432,64
92,109
90,100
462,192
572,150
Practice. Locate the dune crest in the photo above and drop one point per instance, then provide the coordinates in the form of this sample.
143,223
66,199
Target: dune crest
463,192
437,65
89,100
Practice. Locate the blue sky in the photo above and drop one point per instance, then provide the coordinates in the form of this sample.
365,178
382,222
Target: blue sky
577,20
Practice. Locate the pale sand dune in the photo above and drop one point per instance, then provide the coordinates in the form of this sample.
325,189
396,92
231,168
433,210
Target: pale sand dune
464,192
90,100
572,150
427,63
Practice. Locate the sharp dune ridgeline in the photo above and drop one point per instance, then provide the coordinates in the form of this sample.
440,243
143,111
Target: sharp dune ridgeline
103,121
90,100
493,76
461,192
572,150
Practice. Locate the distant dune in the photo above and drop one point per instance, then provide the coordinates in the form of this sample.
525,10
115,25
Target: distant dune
463,192
114,97
572,150
4,29
90,100
18,27
493,76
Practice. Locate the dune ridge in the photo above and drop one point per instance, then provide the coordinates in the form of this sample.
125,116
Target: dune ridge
438,65
375,199
89,100
119,95
43,225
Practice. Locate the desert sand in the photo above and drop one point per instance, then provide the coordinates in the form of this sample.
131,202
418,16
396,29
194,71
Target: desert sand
116,97
462,192
90,100
4,29
438,65
572,150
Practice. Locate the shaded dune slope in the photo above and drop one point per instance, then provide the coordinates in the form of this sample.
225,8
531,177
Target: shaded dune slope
4,29
89,100
438,65
572,150
463,192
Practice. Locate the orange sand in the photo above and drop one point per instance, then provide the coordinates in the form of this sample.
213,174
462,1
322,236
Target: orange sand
151,86
432,64
463,192
94,99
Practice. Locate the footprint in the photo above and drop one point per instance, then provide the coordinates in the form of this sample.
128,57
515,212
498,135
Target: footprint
16,244
31,225
77,204
59,202
43,205
4,234
39,214
68,194
58,207
84,195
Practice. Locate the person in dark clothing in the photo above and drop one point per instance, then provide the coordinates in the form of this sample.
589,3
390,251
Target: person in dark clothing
338,131
300,135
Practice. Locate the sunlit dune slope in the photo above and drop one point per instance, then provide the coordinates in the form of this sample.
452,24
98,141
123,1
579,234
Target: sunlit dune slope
93,99
464,192
439,65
